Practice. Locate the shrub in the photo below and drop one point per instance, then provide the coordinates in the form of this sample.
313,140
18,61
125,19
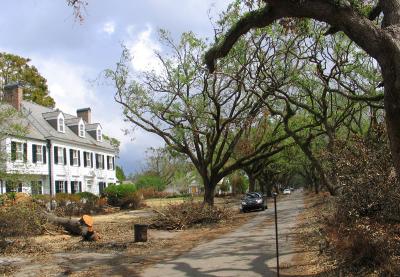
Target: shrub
188,214
148,193
64,199
88,196
367,207
363,245
78,204
115,194
132,200
366,177
150,181
22,219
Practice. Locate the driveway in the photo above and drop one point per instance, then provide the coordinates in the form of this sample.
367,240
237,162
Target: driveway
248,251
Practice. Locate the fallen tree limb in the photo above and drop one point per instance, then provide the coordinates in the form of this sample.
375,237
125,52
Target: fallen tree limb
82,227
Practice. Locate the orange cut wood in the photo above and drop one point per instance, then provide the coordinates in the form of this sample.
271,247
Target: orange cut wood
88,220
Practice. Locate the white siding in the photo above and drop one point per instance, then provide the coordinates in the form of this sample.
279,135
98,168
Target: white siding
62,172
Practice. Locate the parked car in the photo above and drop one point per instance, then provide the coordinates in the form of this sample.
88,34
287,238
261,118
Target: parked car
253,201
286,191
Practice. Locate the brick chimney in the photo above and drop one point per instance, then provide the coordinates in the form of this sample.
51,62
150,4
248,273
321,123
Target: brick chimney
13,94
85,114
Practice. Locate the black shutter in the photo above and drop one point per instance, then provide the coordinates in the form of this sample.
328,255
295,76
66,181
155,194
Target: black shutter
13,150
55,154
102,157
71,160
65,156
91,160
65,186
25,152
57,186
97,160
84,158
79,158
44,152
113,163
34,153
108,164
80,186
73,187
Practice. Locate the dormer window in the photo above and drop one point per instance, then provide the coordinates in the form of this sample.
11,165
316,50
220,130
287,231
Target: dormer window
81,130
61,124
99,135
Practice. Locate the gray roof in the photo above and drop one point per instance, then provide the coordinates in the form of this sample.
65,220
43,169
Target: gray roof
72,121
39,128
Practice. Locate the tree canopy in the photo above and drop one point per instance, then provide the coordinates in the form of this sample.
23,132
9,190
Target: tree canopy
14,68
357,19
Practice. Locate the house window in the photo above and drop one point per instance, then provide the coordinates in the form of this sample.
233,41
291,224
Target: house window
81,130
60,155
13,187
101,165
75,160
19,151
99,161
110,163
102,186
89,185
75,187
60,152
39,153
61,125
61,186
36,187
99,136
88,159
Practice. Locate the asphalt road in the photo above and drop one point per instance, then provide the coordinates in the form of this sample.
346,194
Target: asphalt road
248,251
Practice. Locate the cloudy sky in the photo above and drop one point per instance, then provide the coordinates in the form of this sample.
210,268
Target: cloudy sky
71,55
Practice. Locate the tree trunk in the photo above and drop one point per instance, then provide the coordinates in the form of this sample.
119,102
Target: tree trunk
252,182
314,181
74,227
209,193
318,167
316,187
392,109
262,187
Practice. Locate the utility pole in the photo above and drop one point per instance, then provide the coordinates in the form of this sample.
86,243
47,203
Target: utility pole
276,235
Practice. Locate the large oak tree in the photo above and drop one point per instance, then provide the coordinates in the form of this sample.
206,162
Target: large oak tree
201,115
380,39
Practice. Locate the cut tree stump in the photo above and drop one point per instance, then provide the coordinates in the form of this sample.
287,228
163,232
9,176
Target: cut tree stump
140,232
82,227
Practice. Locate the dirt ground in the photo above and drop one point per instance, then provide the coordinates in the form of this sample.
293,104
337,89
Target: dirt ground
59,254
310,261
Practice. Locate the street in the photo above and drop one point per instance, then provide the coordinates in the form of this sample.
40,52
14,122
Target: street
248,251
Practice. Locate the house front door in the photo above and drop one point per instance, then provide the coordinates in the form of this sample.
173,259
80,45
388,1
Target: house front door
102,186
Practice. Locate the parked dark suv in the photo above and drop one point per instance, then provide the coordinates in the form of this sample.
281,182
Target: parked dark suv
252,201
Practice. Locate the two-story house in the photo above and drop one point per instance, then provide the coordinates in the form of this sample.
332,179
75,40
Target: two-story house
65,153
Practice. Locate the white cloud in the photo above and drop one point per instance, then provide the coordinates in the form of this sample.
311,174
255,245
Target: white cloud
67,83
142,49
70,87
109,27
130,30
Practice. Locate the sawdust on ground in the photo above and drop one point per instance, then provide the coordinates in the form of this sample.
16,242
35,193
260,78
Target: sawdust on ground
115,254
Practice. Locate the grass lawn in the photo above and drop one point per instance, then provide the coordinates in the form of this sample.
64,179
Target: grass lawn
162,202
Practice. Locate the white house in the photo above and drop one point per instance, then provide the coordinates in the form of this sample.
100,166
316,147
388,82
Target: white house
66,153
